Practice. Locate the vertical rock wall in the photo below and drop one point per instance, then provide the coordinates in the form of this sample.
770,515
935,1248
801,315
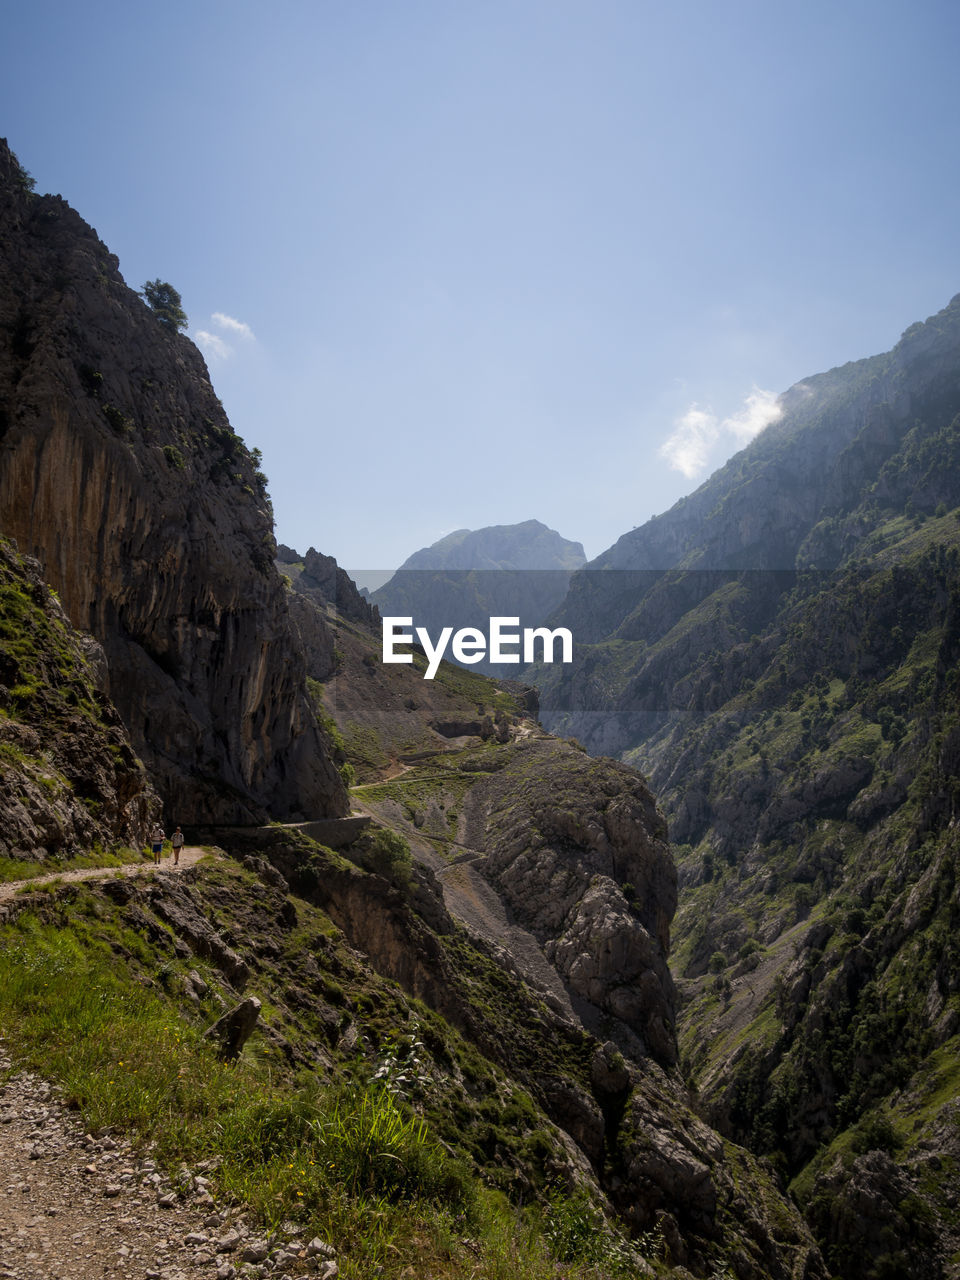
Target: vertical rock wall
119,471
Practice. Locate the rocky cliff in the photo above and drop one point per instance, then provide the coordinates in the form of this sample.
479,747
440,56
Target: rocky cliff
69,778
120,473
319,578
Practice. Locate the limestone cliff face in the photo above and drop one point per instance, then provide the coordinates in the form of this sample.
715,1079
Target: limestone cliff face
69,778
119,471
578,851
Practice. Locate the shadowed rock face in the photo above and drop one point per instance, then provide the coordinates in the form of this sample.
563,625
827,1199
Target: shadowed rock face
121,474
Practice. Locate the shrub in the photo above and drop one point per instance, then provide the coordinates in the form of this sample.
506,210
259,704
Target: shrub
121,424
389,856
373,1145
165,302
874,1133
348,774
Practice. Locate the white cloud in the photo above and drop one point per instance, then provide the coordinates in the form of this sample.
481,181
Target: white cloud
761,408
233,326
212,345
691,444
687,448
216,347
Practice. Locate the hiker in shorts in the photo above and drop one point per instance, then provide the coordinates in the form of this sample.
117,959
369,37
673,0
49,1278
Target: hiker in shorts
176,840
157,839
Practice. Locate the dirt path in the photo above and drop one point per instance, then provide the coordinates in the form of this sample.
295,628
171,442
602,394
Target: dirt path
79,1206
189,857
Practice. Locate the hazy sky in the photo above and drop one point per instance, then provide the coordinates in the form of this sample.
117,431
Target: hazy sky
467,263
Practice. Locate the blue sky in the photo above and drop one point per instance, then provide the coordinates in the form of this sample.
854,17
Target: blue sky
457,264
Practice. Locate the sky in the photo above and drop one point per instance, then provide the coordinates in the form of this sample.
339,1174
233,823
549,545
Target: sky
456,263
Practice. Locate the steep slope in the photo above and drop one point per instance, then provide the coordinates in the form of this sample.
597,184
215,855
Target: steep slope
69,780
357,963
121,475
553,867
781,661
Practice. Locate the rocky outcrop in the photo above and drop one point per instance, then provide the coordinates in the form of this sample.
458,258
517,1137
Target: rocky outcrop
874,1221
69,778
578,851
233,1029
320,579
121,475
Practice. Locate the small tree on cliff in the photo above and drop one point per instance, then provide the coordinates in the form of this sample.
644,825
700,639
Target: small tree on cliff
166,304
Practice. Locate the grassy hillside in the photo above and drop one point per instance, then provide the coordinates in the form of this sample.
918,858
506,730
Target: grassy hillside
355,1110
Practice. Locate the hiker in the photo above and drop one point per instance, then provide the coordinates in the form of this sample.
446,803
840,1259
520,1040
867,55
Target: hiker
176,841
157,839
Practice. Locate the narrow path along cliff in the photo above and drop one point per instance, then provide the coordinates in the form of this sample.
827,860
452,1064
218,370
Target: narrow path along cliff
190,855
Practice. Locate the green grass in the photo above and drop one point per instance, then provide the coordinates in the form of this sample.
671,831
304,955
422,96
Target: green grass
12,869
353,1162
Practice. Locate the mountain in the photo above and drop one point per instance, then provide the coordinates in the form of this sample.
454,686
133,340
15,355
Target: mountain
529,545
778,653
122,476
445,931
468,577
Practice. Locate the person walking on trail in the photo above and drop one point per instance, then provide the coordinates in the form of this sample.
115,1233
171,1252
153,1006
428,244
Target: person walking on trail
157,839
176,840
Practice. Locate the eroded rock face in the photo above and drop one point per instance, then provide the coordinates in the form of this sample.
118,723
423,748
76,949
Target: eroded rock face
69,778
628,1125
121,474
873,1221
579,852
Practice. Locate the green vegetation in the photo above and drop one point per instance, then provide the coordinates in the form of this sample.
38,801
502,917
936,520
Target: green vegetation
121,423
174,457
387,854
355,1158
12,869
166,304
61,751
801,731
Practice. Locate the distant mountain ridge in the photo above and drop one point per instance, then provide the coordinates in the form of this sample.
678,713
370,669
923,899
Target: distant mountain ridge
517,570
528,545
